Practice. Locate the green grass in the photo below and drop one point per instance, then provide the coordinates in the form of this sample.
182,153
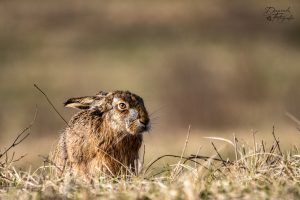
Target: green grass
255,172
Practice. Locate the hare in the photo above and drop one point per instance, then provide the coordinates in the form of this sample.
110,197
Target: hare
105,136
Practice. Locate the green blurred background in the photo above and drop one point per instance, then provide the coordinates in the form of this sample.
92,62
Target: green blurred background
218,66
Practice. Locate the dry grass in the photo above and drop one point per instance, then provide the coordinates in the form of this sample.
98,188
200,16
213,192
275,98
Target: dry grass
256,172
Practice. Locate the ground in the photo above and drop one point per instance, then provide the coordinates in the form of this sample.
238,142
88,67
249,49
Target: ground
255,172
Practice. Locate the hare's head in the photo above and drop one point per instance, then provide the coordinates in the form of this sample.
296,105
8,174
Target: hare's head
123,110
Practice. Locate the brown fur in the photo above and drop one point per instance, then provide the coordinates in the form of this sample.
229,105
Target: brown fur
97,138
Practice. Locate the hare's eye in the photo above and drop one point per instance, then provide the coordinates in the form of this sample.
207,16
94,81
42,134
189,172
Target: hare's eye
122,106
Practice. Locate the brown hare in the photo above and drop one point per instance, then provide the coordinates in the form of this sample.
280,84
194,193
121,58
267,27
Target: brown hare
105,136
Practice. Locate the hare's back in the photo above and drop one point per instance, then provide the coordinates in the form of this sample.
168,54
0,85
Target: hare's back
83,123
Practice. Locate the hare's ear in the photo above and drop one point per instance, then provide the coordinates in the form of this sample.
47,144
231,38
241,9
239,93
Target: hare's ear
82,103
103,94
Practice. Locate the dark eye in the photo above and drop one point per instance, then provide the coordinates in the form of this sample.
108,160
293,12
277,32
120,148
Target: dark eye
122,106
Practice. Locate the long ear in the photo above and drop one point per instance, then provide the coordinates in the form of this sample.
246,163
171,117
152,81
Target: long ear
82,103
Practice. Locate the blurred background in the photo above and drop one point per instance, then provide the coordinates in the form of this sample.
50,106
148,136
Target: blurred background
218,66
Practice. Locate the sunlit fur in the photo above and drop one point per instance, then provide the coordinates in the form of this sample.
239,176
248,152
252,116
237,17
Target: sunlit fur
101,137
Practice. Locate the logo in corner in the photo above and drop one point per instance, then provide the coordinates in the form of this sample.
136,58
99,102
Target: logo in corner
278,15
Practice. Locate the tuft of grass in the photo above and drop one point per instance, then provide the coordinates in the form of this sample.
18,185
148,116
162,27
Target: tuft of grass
257,172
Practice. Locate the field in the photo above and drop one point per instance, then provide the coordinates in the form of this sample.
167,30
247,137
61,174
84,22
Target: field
257,171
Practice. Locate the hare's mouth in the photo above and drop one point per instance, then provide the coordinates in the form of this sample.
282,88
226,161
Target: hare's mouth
138,127
142,128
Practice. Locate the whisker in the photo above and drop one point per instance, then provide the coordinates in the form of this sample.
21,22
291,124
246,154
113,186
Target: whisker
154,123
156,118
158,109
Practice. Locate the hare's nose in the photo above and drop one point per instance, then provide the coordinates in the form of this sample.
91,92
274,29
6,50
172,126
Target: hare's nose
144,121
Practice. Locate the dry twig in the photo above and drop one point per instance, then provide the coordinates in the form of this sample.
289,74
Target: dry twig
20,138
